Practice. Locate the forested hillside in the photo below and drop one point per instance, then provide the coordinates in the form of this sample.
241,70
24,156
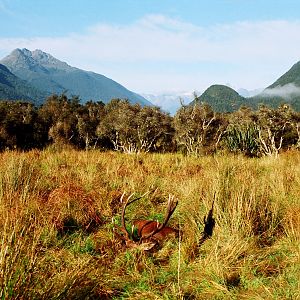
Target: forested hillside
286,89
13,88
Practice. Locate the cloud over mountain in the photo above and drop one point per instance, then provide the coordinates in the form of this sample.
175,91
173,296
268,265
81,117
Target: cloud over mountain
286,91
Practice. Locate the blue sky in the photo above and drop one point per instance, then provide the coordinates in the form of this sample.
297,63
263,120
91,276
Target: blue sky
155,46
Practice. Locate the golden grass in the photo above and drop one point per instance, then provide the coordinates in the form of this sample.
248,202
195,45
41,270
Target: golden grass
59,211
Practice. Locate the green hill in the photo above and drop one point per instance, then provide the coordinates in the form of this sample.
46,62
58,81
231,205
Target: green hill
221,98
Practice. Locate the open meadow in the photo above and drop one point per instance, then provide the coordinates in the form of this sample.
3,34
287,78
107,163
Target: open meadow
60,211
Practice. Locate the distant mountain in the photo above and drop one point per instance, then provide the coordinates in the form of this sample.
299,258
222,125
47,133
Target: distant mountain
13,88
169,102
249,93
51,75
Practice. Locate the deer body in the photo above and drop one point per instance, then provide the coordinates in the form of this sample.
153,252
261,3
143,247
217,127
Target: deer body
146,227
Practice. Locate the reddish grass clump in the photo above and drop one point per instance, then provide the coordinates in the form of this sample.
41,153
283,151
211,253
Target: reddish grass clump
71,208
292,221
266,223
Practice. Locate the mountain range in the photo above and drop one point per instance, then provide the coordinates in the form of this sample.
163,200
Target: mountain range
286,89
222,98
48,75
34,75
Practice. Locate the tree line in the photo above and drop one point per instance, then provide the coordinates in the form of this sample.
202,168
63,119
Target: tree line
131,128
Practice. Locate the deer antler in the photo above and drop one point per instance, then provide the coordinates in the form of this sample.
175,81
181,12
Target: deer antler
124,229
172,204
126,203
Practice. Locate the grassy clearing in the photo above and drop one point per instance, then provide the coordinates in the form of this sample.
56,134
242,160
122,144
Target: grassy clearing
59,210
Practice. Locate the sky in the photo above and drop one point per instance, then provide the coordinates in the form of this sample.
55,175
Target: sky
161,46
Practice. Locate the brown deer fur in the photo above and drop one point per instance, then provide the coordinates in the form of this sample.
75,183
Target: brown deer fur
146,227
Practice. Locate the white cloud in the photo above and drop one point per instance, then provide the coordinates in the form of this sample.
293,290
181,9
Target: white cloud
157,37
286,91
252,54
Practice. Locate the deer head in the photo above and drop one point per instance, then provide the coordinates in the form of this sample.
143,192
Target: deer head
150,233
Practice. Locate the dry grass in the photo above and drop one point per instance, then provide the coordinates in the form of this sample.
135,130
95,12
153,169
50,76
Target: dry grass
59,211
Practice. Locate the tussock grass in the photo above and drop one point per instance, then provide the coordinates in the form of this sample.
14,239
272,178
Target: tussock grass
60,208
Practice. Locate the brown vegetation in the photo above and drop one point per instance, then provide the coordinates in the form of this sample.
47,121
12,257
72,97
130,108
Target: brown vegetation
60,211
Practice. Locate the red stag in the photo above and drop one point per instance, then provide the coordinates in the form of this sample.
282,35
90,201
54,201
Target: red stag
150,233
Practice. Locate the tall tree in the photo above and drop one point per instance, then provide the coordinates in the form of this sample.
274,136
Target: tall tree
197,128
59,116
274,126
154,130
89,117
17,125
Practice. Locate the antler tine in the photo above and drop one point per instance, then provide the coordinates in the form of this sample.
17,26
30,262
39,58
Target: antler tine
170,210
126,203
123,216
138,198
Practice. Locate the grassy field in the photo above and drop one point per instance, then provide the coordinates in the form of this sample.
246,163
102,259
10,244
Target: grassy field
59,211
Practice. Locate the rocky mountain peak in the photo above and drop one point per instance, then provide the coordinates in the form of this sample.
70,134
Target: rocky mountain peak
21,59
48,60
36,60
